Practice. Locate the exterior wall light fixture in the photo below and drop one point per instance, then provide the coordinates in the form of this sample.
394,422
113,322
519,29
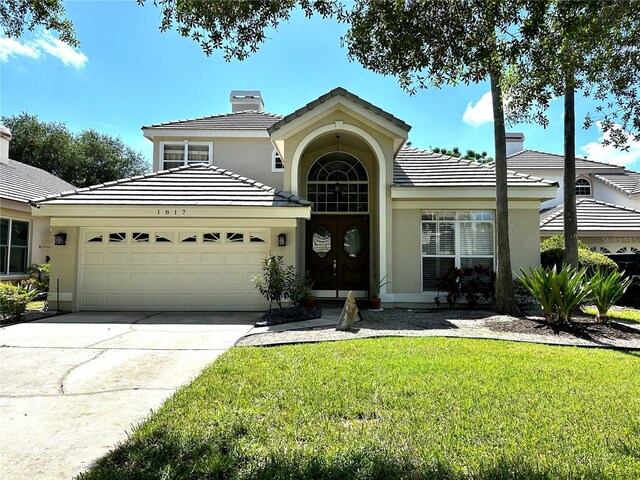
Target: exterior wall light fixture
60,238
282,240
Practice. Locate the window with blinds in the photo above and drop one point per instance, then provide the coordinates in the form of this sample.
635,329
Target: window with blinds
455,239
186,153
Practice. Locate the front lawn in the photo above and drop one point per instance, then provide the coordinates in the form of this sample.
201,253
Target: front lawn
618,313
395,408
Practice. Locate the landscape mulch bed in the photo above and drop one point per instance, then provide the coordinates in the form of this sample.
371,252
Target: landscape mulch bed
584,327
277,316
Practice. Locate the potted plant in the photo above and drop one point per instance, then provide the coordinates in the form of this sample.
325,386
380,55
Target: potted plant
376,285
307,286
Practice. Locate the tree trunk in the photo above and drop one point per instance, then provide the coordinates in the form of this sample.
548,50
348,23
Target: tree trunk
505,299
570,215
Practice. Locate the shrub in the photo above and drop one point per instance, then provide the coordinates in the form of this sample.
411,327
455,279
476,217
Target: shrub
557,241
14,300
593,261
275,279
559,292
606,290
39,276
476,285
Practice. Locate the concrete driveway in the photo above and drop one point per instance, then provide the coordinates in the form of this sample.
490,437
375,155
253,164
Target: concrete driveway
72,386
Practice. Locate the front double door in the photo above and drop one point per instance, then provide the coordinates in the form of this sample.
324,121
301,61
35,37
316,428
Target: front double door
337,254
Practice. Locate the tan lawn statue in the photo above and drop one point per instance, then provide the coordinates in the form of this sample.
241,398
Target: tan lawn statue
348,315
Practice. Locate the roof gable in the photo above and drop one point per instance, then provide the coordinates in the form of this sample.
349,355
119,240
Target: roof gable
338,92
627,181
193,185
533,159
593,215
21,182
241,120
414,167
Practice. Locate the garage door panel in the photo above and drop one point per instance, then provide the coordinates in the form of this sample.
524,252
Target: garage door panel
163,279
163,258
93,280
235,258
186,280
211,258
116,258
114,279
171,276
140,258
187,258
93,258
140,280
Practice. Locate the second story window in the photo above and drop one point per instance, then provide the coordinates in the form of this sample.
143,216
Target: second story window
276,162
186,153
583,187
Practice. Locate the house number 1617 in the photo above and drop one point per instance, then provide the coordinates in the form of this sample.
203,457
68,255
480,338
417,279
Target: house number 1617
171,212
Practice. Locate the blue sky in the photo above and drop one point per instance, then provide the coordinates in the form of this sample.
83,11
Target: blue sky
127,74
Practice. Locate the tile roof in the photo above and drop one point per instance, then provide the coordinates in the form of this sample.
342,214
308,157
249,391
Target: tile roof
533,159
242,120
193,185
417,168
626,181
593,215
21,182
336,92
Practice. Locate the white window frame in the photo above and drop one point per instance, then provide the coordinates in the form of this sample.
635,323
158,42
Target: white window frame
6,274
583,186
274,168
186,144
457,255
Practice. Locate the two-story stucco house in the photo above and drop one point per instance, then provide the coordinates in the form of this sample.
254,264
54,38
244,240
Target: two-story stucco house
608,198
331,187
24,239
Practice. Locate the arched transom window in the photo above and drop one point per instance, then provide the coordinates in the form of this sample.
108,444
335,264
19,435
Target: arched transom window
583,187
338,182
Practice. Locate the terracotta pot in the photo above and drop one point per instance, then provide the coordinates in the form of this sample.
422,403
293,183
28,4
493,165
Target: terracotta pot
375,303
310,302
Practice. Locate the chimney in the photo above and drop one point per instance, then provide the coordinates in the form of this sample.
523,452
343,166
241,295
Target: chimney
515,142
246,100
5,136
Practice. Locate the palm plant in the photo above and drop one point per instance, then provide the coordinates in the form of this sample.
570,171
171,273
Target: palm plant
539,283
606,290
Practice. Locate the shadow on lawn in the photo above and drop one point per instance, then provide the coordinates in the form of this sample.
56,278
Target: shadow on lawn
167,457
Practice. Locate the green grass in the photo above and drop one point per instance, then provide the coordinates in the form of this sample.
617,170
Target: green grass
395,408
38,305
620,313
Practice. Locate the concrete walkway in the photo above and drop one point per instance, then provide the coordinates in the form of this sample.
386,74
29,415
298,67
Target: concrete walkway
72,386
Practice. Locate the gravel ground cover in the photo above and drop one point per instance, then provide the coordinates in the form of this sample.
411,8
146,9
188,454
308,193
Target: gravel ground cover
460,323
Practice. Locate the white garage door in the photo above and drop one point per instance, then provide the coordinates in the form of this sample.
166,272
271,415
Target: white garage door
171,269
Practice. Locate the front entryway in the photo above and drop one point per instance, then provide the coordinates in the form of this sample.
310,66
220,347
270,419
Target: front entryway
337,254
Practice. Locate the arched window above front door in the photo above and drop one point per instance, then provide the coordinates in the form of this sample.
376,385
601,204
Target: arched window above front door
338,182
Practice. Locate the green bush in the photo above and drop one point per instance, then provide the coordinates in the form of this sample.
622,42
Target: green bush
278,283
606,290
559,292
14,300
557,241
39,276
476,285
554,257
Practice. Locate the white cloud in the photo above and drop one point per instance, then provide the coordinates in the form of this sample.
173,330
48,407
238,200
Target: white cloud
609,154
481,113
10,47
61,50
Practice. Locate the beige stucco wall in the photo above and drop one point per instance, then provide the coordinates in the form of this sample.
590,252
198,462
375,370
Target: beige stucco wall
64,270
251,157
406,283
40,240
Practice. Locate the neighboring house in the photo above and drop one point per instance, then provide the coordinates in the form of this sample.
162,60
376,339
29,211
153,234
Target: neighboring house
608,198
346,201
24,239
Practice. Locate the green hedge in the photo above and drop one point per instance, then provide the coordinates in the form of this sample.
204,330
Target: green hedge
586,258
557,241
